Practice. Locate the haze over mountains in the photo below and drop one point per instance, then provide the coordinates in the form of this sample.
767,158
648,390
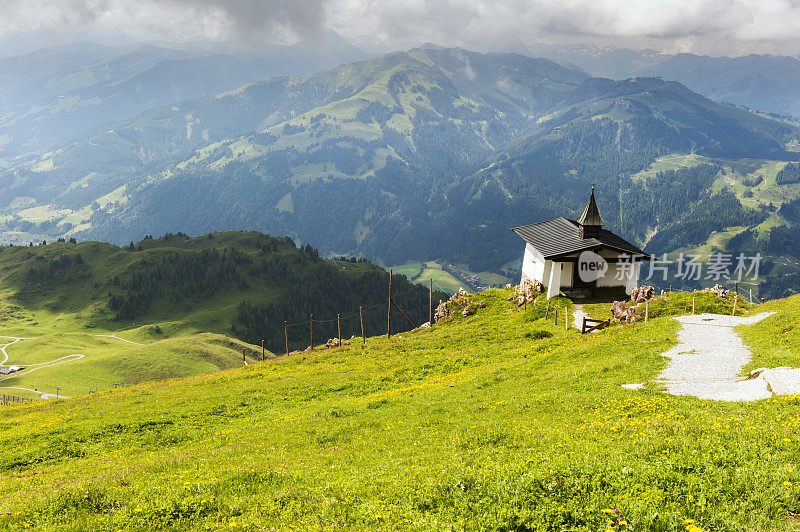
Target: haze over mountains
430,153
762,82
53,94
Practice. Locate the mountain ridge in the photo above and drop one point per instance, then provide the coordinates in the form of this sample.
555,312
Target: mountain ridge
103,84
384,157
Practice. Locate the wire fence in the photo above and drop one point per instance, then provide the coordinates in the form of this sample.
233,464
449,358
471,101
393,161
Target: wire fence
743,285
738,287
8,400
397,314
331,330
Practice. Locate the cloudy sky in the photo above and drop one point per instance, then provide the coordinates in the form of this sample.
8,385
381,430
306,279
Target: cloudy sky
719,27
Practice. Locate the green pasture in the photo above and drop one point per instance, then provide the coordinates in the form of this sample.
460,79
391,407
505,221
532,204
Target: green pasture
501,420
420,273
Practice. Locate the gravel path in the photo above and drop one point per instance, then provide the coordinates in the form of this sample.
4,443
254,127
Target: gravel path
577,317
708,359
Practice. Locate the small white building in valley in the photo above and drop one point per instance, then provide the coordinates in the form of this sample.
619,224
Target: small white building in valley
571,255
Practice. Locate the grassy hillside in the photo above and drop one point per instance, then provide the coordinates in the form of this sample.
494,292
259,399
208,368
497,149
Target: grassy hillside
500,421
113,361
185,284
178,306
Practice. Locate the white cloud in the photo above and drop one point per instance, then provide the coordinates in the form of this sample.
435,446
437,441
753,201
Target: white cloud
716,26
704,25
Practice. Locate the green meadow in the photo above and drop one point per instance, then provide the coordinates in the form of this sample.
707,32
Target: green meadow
105,362
502,420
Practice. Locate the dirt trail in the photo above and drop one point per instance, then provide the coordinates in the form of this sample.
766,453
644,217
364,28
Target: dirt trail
30,368
115,337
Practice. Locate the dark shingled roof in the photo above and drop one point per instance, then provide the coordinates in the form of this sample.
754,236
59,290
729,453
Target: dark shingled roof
561,237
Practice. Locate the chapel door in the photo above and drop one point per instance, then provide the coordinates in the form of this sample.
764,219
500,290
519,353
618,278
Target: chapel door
577,282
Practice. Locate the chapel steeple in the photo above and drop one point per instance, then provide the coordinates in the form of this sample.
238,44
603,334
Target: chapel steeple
590,222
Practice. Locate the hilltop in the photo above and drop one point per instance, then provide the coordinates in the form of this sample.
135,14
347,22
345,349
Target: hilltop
498,420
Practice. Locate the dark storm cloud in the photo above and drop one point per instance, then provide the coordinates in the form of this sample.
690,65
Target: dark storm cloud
252,20
246,20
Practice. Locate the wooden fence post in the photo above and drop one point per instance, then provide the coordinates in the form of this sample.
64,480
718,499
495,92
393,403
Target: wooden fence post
693,297
566,319
735,300
262,350
244,360
646,310
751,298
363,337
339,326
389,312
430,302
286,336
311,324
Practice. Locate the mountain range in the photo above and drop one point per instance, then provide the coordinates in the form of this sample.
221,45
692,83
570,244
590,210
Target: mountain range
52,95
430,153
766,83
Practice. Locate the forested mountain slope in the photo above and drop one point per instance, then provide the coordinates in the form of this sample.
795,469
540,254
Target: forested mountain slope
244,285
605,134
